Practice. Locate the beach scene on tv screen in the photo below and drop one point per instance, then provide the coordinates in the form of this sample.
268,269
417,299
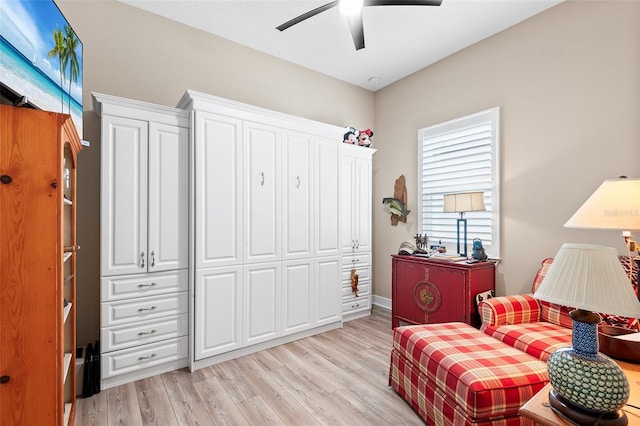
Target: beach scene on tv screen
41,56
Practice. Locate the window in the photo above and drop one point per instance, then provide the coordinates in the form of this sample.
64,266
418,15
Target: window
460,156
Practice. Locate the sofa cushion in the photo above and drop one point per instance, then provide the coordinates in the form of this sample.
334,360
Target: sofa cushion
538,339
503,310
483,376
559,315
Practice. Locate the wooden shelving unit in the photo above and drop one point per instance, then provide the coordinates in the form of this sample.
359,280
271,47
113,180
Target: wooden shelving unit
38,158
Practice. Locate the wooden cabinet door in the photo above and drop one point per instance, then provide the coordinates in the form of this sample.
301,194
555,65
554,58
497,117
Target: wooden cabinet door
297,201
218,190
327,197
262,302
297,282
124,196
449,286
218,311
168,208
262,195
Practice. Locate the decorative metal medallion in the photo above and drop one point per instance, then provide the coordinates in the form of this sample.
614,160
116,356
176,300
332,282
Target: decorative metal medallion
426,295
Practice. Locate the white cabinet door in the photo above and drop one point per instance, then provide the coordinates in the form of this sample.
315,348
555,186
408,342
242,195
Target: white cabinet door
218,190
218,311
123,196
168,208
362,213
327,197
297,204
356,199
262,195
262,302
297,283
327,295
347,203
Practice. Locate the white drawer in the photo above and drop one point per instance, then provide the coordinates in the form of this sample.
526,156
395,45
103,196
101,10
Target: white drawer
356,304
357,259
364,289
364,273
129,286
130,360
145,308
140,333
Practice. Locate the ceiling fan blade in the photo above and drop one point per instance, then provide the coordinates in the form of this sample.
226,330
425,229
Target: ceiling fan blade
357,30
402,2
307,15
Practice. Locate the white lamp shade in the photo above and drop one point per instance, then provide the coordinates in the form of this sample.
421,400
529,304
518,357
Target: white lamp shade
464,202
614,205
589,277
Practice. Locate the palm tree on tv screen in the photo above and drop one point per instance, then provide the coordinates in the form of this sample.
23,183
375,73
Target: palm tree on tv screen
71,43
59,51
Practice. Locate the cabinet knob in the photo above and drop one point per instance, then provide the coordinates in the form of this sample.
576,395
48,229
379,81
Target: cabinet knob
4,379
6,179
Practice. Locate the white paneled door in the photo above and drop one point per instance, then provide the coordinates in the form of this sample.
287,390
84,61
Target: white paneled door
124,196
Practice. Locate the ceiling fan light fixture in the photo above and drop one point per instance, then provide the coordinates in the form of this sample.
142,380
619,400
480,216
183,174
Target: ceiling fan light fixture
350,7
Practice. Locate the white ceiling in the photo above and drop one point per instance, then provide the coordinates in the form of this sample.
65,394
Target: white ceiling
399,40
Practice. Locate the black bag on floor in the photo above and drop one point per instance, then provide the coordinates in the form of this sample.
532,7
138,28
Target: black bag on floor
91,379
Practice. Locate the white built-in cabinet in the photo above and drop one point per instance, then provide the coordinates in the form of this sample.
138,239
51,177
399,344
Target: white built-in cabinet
267,252
356,243
144,220
225,229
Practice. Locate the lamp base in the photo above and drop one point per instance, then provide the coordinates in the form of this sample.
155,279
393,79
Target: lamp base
582,417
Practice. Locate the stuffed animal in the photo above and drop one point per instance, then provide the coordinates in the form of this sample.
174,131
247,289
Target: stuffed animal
350,136
478,252
364,139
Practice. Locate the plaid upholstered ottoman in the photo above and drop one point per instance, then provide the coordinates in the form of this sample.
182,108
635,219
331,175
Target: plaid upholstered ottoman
454,374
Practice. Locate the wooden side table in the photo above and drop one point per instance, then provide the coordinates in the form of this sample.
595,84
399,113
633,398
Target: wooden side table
538,409
433,291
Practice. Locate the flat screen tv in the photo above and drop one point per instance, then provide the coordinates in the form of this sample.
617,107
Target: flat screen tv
40,58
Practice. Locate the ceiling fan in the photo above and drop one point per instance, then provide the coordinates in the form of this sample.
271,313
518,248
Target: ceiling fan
353,10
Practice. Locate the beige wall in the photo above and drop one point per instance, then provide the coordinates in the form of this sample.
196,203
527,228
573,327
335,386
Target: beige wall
568,85
131,53
567,82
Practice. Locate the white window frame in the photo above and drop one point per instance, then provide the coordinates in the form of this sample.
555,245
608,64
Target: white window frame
466,133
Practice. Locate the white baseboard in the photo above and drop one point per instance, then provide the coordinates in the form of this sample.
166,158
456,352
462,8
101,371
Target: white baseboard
382,302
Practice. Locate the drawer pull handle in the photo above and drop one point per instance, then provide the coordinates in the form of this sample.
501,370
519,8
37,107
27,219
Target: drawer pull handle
153,258
355,305
146,285
146,309
146,333
142,259
145,358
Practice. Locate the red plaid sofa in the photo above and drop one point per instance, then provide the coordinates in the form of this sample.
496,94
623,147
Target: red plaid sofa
455,375
536,327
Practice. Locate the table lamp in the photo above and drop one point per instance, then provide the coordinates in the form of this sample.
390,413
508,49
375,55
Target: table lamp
587,385
461,203
614,205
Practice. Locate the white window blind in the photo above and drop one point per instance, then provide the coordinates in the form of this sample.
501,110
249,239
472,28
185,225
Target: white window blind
460,156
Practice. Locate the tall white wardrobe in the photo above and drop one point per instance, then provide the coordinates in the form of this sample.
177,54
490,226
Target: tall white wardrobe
226,229
144,218
267,253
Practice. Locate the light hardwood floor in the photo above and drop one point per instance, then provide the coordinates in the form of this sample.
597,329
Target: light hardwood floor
335,378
